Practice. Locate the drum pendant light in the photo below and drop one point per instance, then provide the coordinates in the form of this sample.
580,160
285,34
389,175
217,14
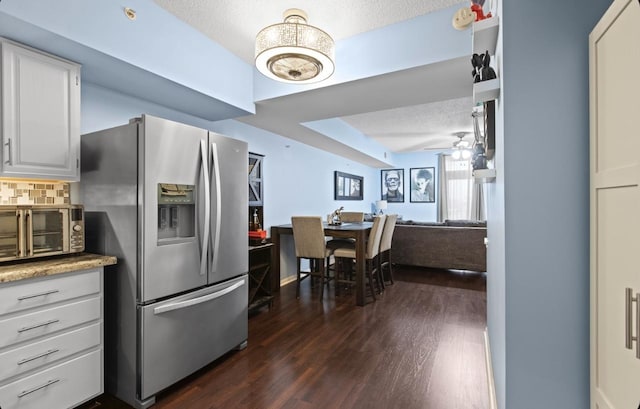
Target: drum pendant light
295,52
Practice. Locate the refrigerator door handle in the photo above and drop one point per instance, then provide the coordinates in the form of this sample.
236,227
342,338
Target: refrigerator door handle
216,174
198,300
207,208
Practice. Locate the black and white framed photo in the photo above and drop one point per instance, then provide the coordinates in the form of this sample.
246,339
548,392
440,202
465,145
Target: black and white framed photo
422,185
392,185
347,186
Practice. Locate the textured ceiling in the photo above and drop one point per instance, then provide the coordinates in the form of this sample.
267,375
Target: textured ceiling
419,127
234,24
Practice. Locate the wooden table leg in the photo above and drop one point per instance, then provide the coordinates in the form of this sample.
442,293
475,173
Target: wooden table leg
275,260
360,267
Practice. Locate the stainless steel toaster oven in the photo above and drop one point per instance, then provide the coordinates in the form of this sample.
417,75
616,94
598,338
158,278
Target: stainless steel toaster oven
39,230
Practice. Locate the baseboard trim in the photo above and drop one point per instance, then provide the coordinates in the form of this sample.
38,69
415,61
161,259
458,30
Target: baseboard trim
287,280
493,403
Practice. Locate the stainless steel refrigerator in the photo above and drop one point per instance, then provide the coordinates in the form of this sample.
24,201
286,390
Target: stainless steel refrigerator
170,201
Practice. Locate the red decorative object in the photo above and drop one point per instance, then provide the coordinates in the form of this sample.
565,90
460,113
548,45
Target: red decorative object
476,7
261,234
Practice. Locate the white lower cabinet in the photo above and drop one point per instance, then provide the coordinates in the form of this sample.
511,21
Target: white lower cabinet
51,351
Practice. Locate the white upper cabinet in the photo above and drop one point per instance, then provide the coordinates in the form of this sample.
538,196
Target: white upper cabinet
40,115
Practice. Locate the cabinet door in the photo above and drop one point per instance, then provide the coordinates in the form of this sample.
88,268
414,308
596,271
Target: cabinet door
40,115
615,199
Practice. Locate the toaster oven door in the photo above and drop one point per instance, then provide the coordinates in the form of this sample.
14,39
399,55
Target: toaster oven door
47,231
10,234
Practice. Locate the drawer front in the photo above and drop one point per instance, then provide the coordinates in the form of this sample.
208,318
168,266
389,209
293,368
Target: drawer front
62,386
52,349
177,340
39,323
31,293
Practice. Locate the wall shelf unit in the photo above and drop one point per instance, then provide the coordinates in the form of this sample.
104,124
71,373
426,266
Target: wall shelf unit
484,175
484,91
485,38
485,35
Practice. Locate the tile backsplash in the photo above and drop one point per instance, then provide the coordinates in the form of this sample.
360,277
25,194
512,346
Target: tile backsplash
33,193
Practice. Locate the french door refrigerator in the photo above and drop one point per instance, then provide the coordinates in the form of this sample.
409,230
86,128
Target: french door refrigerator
170,201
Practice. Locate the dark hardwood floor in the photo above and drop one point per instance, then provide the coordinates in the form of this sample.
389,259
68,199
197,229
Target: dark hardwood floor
419,346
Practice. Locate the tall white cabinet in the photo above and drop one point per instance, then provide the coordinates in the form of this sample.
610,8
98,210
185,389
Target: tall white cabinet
615,199
40,129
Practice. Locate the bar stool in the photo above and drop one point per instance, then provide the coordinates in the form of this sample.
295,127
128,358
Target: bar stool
308,235
385,248
345,217
371,260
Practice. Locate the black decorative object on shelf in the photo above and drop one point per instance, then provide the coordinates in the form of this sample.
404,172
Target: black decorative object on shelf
487,72
482,70
476,62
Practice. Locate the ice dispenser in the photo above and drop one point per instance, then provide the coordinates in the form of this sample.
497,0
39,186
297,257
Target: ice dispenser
176,212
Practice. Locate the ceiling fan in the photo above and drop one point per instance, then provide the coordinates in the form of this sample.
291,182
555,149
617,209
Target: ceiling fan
461,148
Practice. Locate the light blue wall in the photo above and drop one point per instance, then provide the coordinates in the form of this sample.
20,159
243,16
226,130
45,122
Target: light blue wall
538,312
408,210
157,42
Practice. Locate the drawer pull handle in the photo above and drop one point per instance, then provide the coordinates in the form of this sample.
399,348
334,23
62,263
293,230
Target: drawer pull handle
23,329
37,388
26,297
33,358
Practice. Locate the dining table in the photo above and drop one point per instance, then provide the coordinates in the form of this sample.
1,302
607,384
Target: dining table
359,231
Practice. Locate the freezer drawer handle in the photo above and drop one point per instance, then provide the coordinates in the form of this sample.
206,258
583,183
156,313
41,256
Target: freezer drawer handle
37,388
26,297
199,300
33,358
42,324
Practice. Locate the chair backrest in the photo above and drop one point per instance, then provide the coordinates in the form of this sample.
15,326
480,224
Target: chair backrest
308,236
387,233
352,217
373,245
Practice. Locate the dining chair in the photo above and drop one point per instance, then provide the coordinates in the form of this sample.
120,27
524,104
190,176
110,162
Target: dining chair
334,243
371,257
308,236
385,248
352,217
346,217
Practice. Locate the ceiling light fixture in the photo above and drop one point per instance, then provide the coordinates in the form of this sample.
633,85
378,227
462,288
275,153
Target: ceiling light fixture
294,51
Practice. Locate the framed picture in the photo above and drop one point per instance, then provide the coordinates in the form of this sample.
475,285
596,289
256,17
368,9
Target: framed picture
392,185
348,187
423,185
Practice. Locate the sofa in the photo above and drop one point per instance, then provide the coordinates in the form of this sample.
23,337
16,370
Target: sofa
453,244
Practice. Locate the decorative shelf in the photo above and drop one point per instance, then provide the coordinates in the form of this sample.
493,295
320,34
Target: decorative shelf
485,35
484,175
486,90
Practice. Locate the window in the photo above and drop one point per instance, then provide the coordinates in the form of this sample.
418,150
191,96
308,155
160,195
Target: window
460,198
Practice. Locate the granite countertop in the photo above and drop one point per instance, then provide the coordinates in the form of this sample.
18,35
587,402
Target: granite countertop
20,270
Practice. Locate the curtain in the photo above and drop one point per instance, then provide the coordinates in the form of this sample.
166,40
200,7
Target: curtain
459,197
443,182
